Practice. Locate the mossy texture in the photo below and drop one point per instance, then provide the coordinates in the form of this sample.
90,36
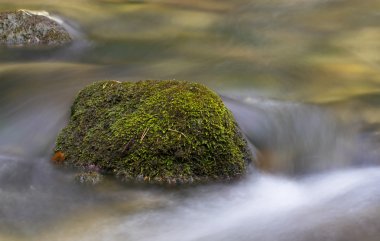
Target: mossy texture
154,131
23,28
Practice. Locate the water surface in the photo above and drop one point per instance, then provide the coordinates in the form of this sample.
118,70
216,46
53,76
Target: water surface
301,77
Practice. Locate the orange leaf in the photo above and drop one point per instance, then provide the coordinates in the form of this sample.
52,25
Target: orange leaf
58,158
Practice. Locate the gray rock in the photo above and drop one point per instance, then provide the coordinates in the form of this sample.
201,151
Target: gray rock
27,28
90,177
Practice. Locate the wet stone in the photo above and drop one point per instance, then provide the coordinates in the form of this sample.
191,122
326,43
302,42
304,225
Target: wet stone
160,132
24,28
90,178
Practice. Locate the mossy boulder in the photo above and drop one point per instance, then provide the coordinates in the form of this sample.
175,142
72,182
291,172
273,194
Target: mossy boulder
27,28
154,131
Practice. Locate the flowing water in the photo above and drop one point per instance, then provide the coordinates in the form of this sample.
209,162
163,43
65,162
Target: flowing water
302,77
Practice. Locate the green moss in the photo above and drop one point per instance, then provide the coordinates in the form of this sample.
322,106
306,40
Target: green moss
156,131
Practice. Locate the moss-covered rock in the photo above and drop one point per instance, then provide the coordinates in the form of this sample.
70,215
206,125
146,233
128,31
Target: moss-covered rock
25,28
154,131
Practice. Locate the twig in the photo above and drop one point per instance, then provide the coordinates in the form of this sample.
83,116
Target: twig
128,146
144,134
177,132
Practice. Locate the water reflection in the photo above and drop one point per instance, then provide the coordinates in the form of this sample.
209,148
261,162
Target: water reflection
302,77
311,50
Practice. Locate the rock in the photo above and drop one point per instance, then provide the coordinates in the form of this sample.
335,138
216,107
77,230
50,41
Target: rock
154,131
91,178
27,28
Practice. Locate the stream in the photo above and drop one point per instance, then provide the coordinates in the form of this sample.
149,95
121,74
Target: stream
302,78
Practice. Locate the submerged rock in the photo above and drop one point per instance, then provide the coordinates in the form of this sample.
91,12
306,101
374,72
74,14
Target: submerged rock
27,28
154,131
91,178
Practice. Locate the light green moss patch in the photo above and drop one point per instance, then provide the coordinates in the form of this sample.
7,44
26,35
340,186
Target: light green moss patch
154,131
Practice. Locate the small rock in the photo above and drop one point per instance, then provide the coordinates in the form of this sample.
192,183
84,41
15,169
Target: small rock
91,178
24,28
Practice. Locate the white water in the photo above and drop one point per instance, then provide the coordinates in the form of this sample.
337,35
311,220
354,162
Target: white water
39,202
343,205
325,176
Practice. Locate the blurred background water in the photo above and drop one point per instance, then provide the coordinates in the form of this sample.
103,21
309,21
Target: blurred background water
302,78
